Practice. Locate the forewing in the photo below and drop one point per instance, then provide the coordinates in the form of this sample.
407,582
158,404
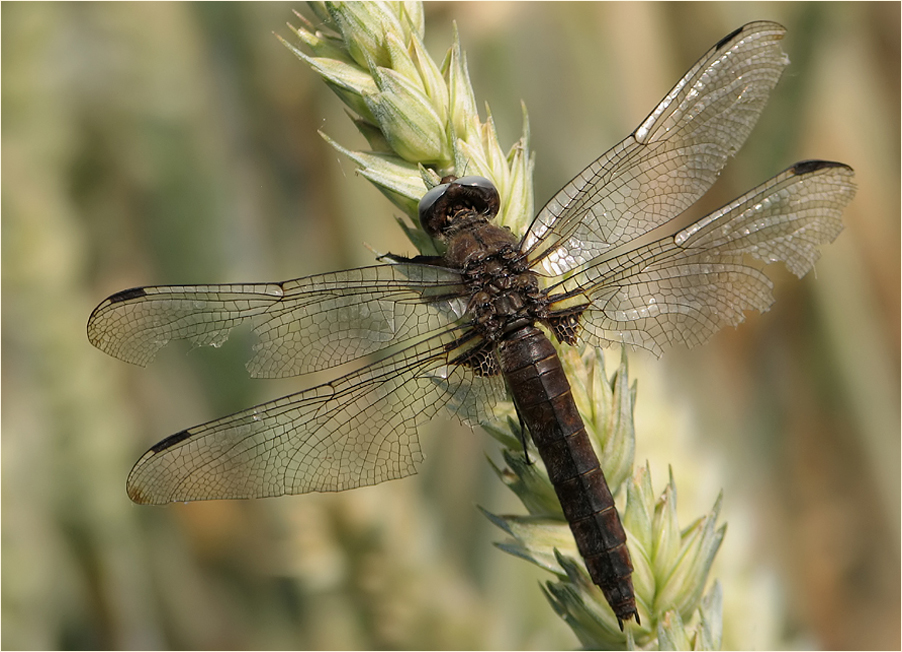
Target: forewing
685,287
303,325
670,161
358,430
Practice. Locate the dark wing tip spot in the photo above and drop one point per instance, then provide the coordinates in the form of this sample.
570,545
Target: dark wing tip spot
728,37
748,26
127,295
807,167
170,441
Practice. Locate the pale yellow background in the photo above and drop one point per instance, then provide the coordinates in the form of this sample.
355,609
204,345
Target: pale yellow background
176,143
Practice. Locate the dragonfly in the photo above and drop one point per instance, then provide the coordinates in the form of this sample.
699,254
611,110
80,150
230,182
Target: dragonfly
462,331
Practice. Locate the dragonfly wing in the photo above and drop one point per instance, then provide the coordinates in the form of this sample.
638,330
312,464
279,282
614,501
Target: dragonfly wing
303,325
671,159
685,287
359,430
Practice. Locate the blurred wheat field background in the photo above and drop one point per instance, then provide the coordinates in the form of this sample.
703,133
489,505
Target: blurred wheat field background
177,143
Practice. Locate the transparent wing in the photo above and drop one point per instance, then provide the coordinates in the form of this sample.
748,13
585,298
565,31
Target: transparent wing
669,161
685,287
358,430
303,325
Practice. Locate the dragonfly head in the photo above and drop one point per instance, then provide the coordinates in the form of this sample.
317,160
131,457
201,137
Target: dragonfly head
455,203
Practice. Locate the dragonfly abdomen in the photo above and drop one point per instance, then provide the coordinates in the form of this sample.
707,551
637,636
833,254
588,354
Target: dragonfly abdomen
542,394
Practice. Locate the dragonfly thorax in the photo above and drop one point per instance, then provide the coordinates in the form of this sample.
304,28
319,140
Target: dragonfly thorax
504,294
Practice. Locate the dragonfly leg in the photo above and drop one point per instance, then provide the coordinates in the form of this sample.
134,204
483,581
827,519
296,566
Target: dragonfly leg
418,259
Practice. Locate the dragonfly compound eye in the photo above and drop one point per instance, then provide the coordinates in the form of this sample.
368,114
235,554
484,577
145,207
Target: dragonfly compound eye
427,205
442,207
483,189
